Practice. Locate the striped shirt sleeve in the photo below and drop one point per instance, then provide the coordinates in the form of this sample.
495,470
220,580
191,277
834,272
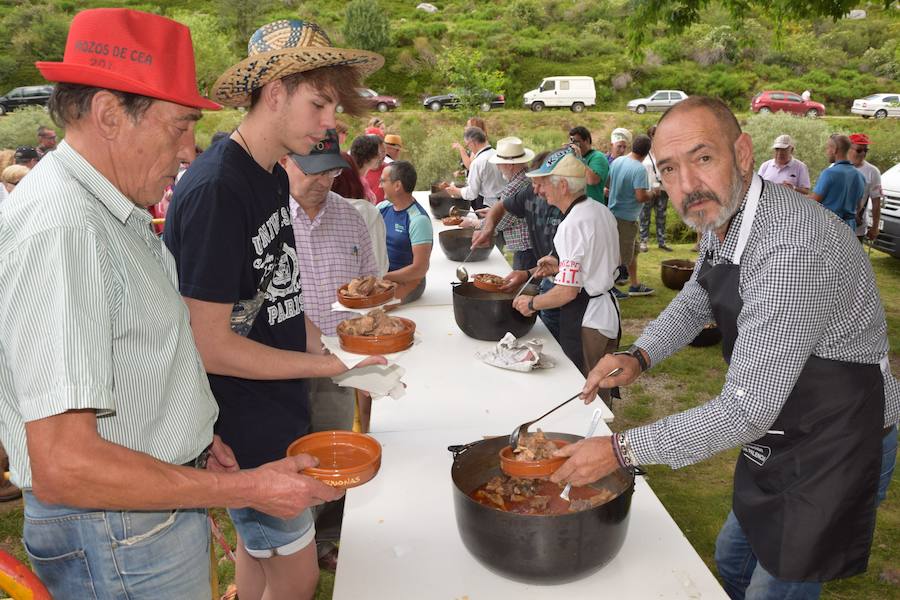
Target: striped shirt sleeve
59,301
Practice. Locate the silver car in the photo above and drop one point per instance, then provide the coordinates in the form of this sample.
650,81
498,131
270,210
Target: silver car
877,105
659,100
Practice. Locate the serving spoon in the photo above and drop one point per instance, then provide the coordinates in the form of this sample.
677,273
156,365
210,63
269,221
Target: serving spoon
461,272
523,428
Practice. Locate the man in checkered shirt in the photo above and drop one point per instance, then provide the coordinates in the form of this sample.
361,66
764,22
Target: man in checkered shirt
808,394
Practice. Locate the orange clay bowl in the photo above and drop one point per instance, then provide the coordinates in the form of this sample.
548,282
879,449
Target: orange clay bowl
481,282
346,459
451,221
530,469
378,344
368,301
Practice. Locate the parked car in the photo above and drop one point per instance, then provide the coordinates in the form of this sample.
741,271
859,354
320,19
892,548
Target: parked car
564,91
776,100
450,100
29,95
888,239
375,101
659,100
878,106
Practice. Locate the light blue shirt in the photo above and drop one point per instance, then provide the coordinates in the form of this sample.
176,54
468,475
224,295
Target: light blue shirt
625,176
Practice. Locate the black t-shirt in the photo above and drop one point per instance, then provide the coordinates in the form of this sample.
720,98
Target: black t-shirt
229,229
541,218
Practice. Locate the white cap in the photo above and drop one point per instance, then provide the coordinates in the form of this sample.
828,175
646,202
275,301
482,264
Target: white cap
783,141
620,134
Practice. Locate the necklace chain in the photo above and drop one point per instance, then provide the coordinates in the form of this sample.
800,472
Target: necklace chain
246,145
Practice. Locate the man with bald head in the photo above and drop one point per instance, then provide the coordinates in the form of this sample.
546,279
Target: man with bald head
808,393
840,186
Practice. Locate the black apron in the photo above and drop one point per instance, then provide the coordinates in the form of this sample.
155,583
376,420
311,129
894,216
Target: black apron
571,315
805,493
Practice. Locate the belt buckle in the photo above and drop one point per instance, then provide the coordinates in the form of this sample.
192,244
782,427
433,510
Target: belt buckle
202,458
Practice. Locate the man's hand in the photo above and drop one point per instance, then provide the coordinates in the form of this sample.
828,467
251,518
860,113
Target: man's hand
484,237
513,281
546,266
597,378
787,184
576,149
372,360
521,305
452,190
221,458
281,491
456,146
872,233
590,460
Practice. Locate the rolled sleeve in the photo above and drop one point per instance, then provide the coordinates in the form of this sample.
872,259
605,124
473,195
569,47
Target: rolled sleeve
58,306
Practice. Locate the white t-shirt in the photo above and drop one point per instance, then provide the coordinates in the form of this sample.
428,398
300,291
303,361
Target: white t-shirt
587,242
873,190
652,175
375,225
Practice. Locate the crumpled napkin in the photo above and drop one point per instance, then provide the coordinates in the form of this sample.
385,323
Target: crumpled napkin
338,307
516,355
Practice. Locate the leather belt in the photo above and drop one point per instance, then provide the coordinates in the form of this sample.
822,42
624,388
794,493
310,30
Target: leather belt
200,461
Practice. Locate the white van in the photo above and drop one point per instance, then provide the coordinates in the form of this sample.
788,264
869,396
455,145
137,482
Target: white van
888,239
571,92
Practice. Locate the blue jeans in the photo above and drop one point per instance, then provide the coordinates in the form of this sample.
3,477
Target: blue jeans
110,555
744,578
550,317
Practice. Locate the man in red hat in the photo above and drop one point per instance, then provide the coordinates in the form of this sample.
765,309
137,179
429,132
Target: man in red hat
859,148
229,229
106,410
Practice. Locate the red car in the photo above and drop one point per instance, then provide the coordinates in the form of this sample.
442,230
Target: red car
774,100
375,101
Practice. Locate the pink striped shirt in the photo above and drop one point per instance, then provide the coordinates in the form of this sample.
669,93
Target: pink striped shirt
332,249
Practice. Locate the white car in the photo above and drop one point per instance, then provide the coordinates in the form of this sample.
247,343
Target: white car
877,105
659,100
572,92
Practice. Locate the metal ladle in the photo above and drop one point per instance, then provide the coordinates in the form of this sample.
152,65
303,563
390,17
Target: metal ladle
523,428
461,272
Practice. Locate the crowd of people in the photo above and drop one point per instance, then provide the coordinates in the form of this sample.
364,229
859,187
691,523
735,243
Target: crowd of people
173,374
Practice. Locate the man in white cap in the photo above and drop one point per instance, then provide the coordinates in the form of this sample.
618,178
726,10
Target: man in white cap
784,169
106,410
511,158
229,228
619,143
587,245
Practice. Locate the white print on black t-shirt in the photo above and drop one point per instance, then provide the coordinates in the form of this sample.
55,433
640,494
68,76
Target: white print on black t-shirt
284,291
268,231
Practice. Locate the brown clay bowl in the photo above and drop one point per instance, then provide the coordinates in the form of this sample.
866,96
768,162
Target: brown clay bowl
346,458
530,469
676,272
482,282
378,344
368,301
451,221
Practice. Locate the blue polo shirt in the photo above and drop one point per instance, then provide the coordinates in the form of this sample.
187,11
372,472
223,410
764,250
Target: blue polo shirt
841,186
625,176
404,229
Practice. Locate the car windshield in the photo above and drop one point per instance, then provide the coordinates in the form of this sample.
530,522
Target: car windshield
367,93
874,97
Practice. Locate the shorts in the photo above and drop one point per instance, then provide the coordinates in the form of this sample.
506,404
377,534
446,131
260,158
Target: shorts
628,240
265,536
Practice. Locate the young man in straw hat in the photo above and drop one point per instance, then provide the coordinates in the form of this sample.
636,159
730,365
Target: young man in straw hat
106,411
229,229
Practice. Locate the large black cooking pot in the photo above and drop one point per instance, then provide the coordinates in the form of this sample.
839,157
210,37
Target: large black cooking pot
487,315
456,244
441,202
536,549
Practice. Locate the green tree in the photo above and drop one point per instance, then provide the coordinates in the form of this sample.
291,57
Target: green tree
241,19
30,32
470,77
212,47
366,26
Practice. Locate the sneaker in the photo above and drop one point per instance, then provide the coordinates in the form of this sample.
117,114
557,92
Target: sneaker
639,290
644,246
664,247
619,294
622,275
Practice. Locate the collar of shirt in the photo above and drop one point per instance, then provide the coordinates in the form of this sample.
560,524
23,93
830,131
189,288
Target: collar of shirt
723,252
97,184
298,215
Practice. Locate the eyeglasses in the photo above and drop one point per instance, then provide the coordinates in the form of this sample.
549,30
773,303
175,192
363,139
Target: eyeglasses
861,150
49,137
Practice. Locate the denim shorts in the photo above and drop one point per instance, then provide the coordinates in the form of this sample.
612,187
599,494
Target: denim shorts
106,555
265,536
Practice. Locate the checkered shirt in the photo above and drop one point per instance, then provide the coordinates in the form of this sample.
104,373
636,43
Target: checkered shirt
515,229
332,249
808,289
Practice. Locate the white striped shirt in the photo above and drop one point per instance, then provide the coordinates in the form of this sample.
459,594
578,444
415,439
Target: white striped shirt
91,318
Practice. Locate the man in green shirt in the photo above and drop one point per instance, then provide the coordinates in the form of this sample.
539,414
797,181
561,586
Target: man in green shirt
598,167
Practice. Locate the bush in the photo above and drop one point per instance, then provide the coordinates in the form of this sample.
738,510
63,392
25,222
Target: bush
366,26
19,128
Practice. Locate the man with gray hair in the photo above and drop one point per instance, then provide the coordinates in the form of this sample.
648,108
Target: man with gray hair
587,246
485,181
840,186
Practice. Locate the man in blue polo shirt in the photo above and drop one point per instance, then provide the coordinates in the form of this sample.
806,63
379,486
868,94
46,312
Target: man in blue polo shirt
840,186
409,233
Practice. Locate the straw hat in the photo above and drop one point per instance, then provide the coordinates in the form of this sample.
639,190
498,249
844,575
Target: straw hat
392,139
283,48
511,151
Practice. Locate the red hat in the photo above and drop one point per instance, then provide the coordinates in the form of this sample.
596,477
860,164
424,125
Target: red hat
860,139
130,51
375,131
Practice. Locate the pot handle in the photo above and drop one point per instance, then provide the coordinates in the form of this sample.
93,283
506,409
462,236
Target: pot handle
458,449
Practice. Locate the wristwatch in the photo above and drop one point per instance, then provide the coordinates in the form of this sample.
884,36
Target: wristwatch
531,304
635,352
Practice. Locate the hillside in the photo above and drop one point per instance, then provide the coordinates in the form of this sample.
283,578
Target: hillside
525,40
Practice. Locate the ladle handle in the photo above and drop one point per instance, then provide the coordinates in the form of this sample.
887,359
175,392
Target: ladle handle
555,408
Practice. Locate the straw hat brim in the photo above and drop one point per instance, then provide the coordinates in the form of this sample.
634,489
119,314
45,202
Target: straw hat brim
234,87
527,157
